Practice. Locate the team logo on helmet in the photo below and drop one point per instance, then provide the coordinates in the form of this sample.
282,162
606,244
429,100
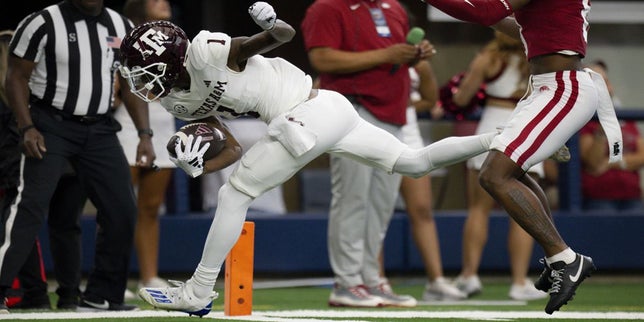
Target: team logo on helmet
153,39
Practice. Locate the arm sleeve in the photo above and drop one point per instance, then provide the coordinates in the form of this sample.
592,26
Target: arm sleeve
30,38
485,12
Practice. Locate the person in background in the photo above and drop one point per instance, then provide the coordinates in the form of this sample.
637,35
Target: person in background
417,192
61,100
502,66
149,184
63,221
29,289
303,123
359,49
562,98
610,186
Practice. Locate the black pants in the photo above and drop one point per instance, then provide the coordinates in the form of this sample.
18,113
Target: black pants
65,211
96,155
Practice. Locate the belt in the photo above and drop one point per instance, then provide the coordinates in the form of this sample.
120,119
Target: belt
84,119
62,115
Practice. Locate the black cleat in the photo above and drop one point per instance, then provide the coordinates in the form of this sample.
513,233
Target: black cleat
566,279
544,282
40,302
86,305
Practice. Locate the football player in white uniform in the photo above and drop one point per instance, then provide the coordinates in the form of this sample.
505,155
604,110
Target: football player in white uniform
219,76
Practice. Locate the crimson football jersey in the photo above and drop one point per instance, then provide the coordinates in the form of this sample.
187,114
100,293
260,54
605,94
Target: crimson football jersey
551,26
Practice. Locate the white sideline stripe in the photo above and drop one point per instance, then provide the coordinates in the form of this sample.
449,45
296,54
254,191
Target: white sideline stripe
321,315
298,282
473,303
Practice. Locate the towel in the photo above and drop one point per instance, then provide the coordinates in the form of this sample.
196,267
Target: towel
608,118
292,134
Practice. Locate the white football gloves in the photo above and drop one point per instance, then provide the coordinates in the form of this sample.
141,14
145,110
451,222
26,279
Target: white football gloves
263,15
190,160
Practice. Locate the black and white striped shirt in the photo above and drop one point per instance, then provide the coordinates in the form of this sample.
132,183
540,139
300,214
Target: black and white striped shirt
76,56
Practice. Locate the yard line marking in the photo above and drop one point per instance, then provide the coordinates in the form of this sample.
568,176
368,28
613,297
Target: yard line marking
473,303
322,315
297,282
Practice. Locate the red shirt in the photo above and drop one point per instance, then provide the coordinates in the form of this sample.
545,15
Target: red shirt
347,25
614,184
550,26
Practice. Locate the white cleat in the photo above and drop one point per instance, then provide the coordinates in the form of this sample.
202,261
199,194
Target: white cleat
178,298
469,285
441,290
526,292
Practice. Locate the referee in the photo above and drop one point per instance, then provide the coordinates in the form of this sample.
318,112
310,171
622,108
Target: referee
60,88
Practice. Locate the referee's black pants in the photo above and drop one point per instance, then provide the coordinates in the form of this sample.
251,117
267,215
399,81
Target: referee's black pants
94,151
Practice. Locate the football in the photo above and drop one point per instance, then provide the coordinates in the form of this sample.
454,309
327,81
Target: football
208,133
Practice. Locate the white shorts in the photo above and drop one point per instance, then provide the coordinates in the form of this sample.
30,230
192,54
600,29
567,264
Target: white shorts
559,105
410,131
332,124
161,122
492,117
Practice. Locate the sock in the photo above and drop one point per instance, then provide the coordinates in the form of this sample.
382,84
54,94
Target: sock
567,256
419,162
204,279
224,232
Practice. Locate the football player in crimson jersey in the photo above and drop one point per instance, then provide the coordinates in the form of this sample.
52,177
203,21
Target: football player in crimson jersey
219,76
561,98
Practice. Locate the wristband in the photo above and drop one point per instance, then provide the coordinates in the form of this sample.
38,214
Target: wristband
26,128
146,131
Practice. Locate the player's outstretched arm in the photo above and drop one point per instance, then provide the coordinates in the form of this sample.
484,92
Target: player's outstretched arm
276,32
485,12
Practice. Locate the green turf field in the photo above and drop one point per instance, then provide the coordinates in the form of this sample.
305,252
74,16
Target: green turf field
599,298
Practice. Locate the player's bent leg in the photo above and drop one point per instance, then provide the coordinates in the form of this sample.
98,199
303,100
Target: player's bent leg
195,296
222,236
419,162
499,177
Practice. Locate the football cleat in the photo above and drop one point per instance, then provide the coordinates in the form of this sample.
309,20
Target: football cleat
565,280
178,298
544,282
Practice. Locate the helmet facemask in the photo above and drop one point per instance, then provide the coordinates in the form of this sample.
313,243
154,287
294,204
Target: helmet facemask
146,82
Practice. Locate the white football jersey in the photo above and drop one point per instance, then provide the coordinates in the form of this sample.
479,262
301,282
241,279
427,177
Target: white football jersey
266,88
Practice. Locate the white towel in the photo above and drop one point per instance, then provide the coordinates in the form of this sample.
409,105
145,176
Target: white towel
293,134
608,118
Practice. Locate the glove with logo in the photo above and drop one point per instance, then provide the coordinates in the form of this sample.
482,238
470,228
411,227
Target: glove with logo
263,15
191,159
